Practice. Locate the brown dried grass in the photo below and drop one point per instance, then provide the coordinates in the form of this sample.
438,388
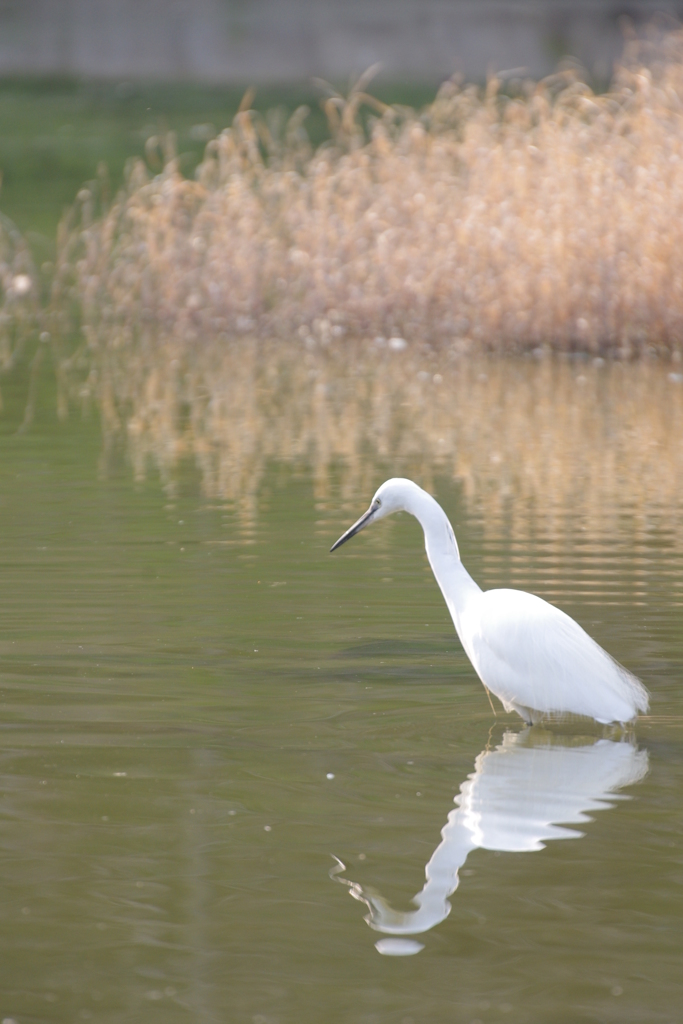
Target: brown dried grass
491,223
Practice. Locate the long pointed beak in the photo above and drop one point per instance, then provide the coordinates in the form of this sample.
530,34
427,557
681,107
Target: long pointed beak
356,528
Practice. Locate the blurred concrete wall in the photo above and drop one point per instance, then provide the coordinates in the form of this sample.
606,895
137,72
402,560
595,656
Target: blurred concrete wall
276,40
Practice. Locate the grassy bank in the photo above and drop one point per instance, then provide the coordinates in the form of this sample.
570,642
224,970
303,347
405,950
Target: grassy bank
483,222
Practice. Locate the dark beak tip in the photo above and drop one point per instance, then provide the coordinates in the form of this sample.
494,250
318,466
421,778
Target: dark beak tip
353,530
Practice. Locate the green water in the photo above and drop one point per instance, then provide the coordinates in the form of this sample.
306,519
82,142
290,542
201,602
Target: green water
198,711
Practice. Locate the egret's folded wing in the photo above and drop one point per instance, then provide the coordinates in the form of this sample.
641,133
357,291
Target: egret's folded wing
544,660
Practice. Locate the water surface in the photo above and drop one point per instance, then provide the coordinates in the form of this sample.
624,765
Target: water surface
200,709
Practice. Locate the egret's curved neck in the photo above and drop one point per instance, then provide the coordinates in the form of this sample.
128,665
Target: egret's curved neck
456,584
439,536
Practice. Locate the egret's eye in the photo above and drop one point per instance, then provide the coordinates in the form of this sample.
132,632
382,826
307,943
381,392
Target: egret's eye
378,503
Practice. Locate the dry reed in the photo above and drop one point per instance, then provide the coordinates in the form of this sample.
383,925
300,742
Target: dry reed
484,222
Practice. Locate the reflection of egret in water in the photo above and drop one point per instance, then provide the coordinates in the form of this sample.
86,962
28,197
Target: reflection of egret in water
512,802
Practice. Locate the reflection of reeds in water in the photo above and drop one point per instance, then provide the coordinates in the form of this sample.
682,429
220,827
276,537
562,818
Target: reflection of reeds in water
482,222
597,440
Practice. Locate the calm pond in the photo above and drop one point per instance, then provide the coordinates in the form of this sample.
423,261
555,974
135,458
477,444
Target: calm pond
214,733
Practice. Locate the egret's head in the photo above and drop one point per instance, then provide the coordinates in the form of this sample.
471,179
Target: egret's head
392,496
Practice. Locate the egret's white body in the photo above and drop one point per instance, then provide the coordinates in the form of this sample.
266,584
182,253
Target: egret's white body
536,659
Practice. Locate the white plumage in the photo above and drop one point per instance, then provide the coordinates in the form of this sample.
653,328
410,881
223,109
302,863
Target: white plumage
536,659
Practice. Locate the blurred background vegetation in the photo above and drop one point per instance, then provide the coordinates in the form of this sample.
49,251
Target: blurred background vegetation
54,132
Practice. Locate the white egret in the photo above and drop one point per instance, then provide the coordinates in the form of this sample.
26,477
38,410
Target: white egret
535,658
